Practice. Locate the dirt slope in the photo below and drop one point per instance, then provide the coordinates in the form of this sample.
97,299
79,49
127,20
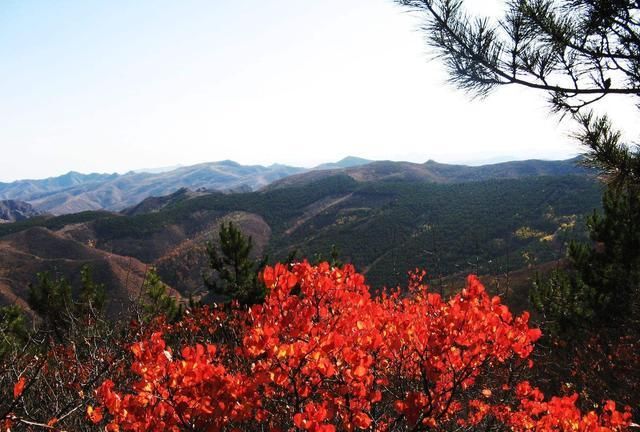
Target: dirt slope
25,254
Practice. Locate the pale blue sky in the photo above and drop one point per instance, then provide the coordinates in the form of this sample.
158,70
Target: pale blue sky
109,86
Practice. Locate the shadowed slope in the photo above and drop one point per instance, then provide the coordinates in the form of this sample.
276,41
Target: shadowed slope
25,254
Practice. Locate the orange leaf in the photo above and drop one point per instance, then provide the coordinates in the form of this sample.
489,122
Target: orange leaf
360,371
362,420
94,414
18,388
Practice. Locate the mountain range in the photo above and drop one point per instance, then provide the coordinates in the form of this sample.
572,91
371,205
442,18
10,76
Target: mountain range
384,217
435,172
75,192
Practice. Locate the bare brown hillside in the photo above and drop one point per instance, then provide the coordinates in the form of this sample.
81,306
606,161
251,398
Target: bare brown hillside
176,250
25,254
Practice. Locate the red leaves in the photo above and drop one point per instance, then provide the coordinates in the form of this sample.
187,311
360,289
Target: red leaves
360,371
412,406
313,418
534,334
94,414
18,388
326,356
361,420
558,414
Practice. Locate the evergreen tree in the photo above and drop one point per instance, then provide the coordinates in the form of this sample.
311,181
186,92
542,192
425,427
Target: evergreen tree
13,329
602,285
92,295
52,298
577,51
232,272
565,301
613,265
157,300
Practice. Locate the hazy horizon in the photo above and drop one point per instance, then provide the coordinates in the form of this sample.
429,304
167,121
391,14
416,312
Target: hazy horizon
118,86
155,170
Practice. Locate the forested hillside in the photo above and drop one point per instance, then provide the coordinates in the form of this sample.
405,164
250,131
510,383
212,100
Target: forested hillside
382,227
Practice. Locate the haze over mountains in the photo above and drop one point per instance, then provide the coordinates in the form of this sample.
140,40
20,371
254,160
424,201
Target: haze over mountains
75,192
434,172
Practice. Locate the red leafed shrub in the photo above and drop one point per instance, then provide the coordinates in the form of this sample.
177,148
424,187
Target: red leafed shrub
322,354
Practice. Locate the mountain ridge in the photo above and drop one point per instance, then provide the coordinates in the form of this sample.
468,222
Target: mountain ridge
75,192
437,172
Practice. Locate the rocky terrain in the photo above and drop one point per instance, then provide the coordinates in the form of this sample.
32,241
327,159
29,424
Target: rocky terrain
13,211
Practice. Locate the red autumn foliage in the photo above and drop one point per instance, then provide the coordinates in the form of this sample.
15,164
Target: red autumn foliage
18,388
322,354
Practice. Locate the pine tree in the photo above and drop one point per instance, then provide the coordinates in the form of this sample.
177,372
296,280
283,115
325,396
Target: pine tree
157,300
51,297
92,295
602,284
613,265
13,329
576,51
566,302
232,272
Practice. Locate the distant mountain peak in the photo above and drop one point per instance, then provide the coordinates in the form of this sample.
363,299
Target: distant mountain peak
157,170
353,160
228,162
347,162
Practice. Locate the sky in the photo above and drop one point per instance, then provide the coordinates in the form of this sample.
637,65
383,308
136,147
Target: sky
118,85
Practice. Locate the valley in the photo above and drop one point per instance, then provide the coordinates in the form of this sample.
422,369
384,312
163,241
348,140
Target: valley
382,217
